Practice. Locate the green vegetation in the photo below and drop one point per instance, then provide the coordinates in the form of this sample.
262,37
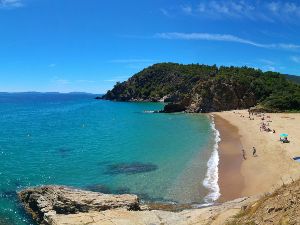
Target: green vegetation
202,88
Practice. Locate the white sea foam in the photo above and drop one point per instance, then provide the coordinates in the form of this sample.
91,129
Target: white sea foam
212,175
149,111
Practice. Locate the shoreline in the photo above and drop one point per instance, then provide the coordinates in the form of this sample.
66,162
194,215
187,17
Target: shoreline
273,165
210,181
231,181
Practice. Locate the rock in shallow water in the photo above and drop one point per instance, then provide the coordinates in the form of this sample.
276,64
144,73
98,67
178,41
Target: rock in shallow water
45,202
8,194
99,188
130,168
173,107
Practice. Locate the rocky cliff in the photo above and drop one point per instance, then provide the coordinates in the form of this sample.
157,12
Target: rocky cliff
202,88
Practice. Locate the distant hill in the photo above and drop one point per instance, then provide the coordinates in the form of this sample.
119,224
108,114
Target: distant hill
35,93
293,78
203,88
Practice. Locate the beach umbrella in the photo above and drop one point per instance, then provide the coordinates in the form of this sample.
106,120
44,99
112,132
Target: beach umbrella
284,135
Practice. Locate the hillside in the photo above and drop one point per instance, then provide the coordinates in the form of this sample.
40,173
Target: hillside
203,88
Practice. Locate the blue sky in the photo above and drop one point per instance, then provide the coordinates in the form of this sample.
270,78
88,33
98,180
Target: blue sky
88,45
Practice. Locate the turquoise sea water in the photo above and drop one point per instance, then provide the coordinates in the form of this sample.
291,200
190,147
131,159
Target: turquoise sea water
99,145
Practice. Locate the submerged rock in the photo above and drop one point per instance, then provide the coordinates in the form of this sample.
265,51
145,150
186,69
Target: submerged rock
8,194
47,202
130,168
122,190
4,220
64,152
99,188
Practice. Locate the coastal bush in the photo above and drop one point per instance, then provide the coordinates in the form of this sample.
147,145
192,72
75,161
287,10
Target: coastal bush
283,101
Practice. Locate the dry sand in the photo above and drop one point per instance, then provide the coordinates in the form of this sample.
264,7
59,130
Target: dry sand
273,164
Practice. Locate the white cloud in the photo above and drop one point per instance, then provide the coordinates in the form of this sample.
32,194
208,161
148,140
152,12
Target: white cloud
201,8
187,9
224,38
52,65
295,59
270,11
267,61
269,68
284,8
6,4
165,12
273,7
221,9
85,81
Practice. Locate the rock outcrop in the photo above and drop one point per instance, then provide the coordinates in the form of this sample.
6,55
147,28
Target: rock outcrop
56,205
173,107
48,202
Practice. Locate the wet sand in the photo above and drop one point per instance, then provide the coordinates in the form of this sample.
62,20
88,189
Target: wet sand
231,181
274,164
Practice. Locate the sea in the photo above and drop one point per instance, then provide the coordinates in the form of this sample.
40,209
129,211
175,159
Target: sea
105,146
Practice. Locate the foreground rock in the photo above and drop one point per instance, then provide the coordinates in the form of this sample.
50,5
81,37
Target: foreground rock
47,203
56,205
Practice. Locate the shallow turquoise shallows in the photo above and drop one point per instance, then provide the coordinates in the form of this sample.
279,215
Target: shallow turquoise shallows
72,139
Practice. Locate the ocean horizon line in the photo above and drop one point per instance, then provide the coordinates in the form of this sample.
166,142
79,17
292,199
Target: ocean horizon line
48,92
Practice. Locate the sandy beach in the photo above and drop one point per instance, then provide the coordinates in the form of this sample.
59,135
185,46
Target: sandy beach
273,165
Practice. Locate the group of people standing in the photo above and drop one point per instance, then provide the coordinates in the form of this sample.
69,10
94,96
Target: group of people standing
253,153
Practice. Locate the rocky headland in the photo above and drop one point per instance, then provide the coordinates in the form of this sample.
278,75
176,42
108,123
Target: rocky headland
201,88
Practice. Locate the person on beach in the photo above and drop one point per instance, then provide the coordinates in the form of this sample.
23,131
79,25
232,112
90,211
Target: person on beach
244,154
254,151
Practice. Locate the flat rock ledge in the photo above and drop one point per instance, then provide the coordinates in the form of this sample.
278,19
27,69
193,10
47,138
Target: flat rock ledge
46,203
60,205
